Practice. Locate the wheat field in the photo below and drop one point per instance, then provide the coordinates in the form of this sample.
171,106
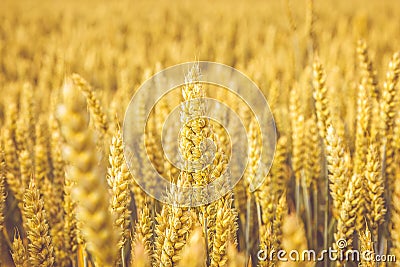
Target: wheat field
329,70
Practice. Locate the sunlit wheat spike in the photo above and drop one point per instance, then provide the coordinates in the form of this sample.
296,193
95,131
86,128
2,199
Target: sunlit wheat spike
267,245
266,199
291,19
367,246
280,215
294,238
313,166
321,98
194,253
19,253
40,247
90,191
225,227
96,110
70,227
57,172
338,168
143,234
375,201
140,256
298,134
363,128
254,152
388,113
369,81
368,73
26,167
41,152
28,114
194,131
2,193
12,167
119,180
346,225
180,224
395,221
160,230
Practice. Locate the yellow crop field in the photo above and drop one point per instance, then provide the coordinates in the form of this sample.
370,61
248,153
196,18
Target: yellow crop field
278,144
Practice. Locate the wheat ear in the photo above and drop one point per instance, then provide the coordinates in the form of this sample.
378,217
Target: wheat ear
99,117
337,167
224,231
143,233
395,221
90,192
366,245
388,112
40,247
2,190
321,99
160,230
140,255
194,254
119,180
19,254
375,190
346,225
70,226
